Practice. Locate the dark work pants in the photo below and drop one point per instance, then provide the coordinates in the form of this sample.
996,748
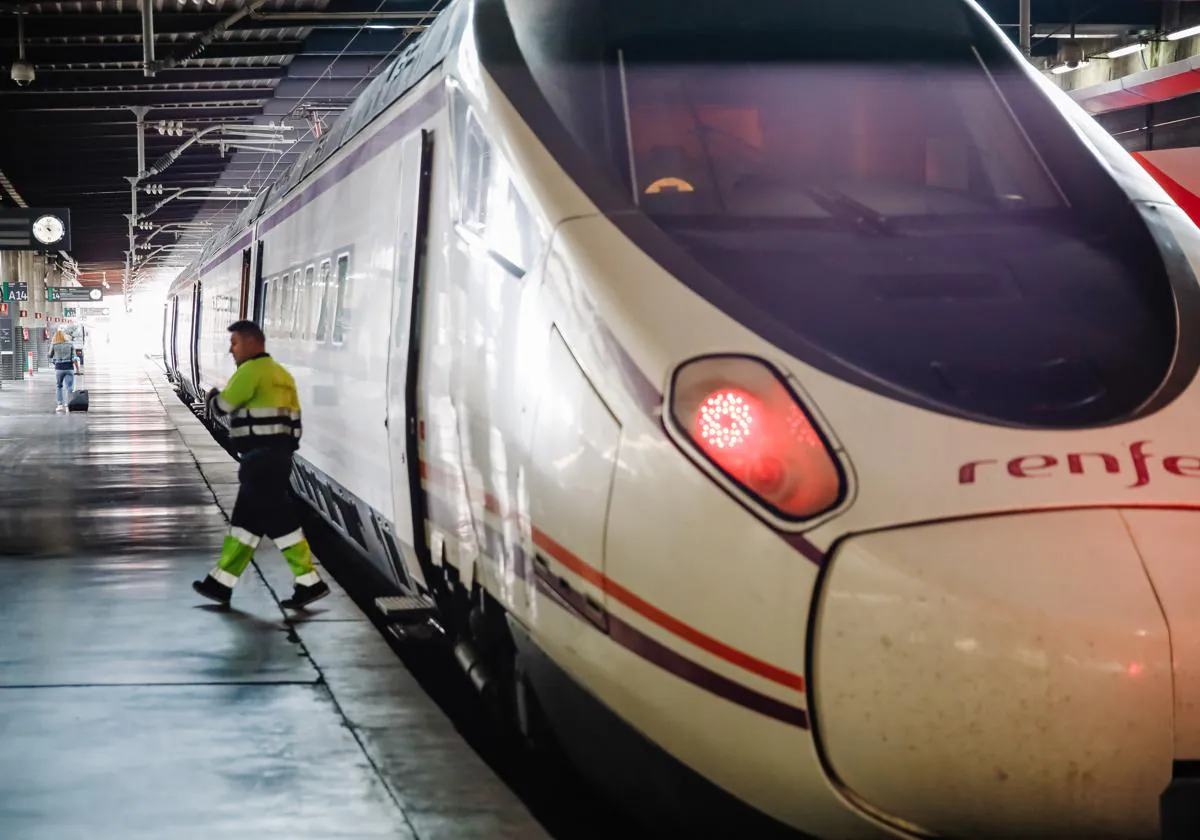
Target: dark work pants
264,504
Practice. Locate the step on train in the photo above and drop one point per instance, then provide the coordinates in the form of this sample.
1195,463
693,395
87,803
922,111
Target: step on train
794,405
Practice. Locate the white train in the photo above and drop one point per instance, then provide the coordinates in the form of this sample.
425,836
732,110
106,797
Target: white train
796,400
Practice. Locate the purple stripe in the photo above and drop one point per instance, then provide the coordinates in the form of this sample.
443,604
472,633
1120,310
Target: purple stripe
404,123
801,544
245,240
624,634
667,659
655,652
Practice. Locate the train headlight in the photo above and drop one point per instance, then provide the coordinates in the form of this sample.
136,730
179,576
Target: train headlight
740,417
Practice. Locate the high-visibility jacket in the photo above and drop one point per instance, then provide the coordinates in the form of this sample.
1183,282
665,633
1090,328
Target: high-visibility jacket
263,407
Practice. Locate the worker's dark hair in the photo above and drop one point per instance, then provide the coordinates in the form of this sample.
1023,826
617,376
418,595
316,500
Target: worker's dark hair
248,328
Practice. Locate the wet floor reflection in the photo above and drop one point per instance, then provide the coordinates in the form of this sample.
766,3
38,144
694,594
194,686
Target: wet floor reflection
116,480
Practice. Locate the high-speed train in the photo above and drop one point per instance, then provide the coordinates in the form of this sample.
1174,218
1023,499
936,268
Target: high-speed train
795,405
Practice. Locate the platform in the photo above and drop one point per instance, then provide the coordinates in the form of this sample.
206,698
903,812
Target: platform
131,709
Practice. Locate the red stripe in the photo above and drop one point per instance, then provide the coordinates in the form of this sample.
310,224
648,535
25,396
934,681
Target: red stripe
1184,197
651,613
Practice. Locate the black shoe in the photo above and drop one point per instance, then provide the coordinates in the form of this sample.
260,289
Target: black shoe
213,590
305,595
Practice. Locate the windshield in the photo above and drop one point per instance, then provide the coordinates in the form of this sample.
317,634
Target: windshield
779,142
885,196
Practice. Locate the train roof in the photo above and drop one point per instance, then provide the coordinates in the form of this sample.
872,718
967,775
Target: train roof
426,52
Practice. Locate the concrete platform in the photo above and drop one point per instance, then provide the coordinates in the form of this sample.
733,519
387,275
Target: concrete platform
132,709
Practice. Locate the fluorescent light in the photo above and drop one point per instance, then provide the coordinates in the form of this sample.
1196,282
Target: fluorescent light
1128,49
1080,36
1184,33
1066,68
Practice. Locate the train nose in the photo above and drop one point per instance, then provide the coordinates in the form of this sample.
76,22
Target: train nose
1012,676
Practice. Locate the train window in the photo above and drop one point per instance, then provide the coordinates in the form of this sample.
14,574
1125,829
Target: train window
513,234
266,308
323,303
273,305
306,311
477,176
340,316
294,305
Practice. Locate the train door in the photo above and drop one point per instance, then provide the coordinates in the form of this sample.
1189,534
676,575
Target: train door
244,304
166,335
260,305
408,499
197,320
173,358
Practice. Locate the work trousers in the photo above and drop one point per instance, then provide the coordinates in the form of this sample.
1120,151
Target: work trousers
264,508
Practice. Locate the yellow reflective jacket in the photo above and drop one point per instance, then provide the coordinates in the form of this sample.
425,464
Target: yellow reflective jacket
263,407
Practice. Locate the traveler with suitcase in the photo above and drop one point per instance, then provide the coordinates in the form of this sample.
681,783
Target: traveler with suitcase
66,365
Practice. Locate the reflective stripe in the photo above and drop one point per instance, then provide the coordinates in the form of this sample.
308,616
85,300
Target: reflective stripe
264,431
244,537
260,413
223,577
289,540
310,579
225,405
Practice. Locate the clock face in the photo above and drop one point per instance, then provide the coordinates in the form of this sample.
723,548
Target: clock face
48,229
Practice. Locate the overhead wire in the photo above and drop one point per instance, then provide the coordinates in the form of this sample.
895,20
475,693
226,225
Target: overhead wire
327,73
266,180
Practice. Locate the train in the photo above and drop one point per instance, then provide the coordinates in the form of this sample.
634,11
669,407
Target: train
790,407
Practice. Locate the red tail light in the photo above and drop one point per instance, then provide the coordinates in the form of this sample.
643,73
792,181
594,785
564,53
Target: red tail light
741,416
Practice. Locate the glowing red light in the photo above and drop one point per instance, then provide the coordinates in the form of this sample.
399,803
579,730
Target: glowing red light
725,420
1134,669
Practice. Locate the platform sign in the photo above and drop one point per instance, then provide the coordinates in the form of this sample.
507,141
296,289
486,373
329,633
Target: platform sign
74,293
16,291
70,311
7,343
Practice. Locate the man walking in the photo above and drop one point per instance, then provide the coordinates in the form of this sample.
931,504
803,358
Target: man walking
260,399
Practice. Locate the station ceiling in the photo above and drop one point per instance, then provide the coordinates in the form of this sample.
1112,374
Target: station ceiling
68,137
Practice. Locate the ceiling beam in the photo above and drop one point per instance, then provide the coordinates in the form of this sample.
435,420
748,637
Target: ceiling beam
86,120
102,77
76,54
51,101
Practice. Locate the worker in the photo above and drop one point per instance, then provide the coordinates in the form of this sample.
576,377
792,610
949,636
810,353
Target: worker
264,410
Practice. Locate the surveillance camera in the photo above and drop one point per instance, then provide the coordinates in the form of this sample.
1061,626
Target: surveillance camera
22,73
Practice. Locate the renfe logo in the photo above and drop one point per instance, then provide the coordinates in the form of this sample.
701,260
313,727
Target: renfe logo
1085,463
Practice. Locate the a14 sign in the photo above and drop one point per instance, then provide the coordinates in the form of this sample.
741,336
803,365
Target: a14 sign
16,291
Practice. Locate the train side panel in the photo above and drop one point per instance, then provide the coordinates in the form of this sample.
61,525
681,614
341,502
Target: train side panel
331,268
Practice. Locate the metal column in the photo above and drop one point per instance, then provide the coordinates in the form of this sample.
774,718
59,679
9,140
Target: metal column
1026,28
139,112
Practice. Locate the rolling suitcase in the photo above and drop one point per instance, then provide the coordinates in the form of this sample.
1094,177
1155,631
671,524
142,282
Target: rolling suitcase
79,401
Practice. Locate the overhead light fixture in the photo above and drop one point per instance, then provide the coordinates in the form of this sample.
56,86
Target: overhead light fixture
1184,33
1128,49
1067,68
382,26
1081,36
